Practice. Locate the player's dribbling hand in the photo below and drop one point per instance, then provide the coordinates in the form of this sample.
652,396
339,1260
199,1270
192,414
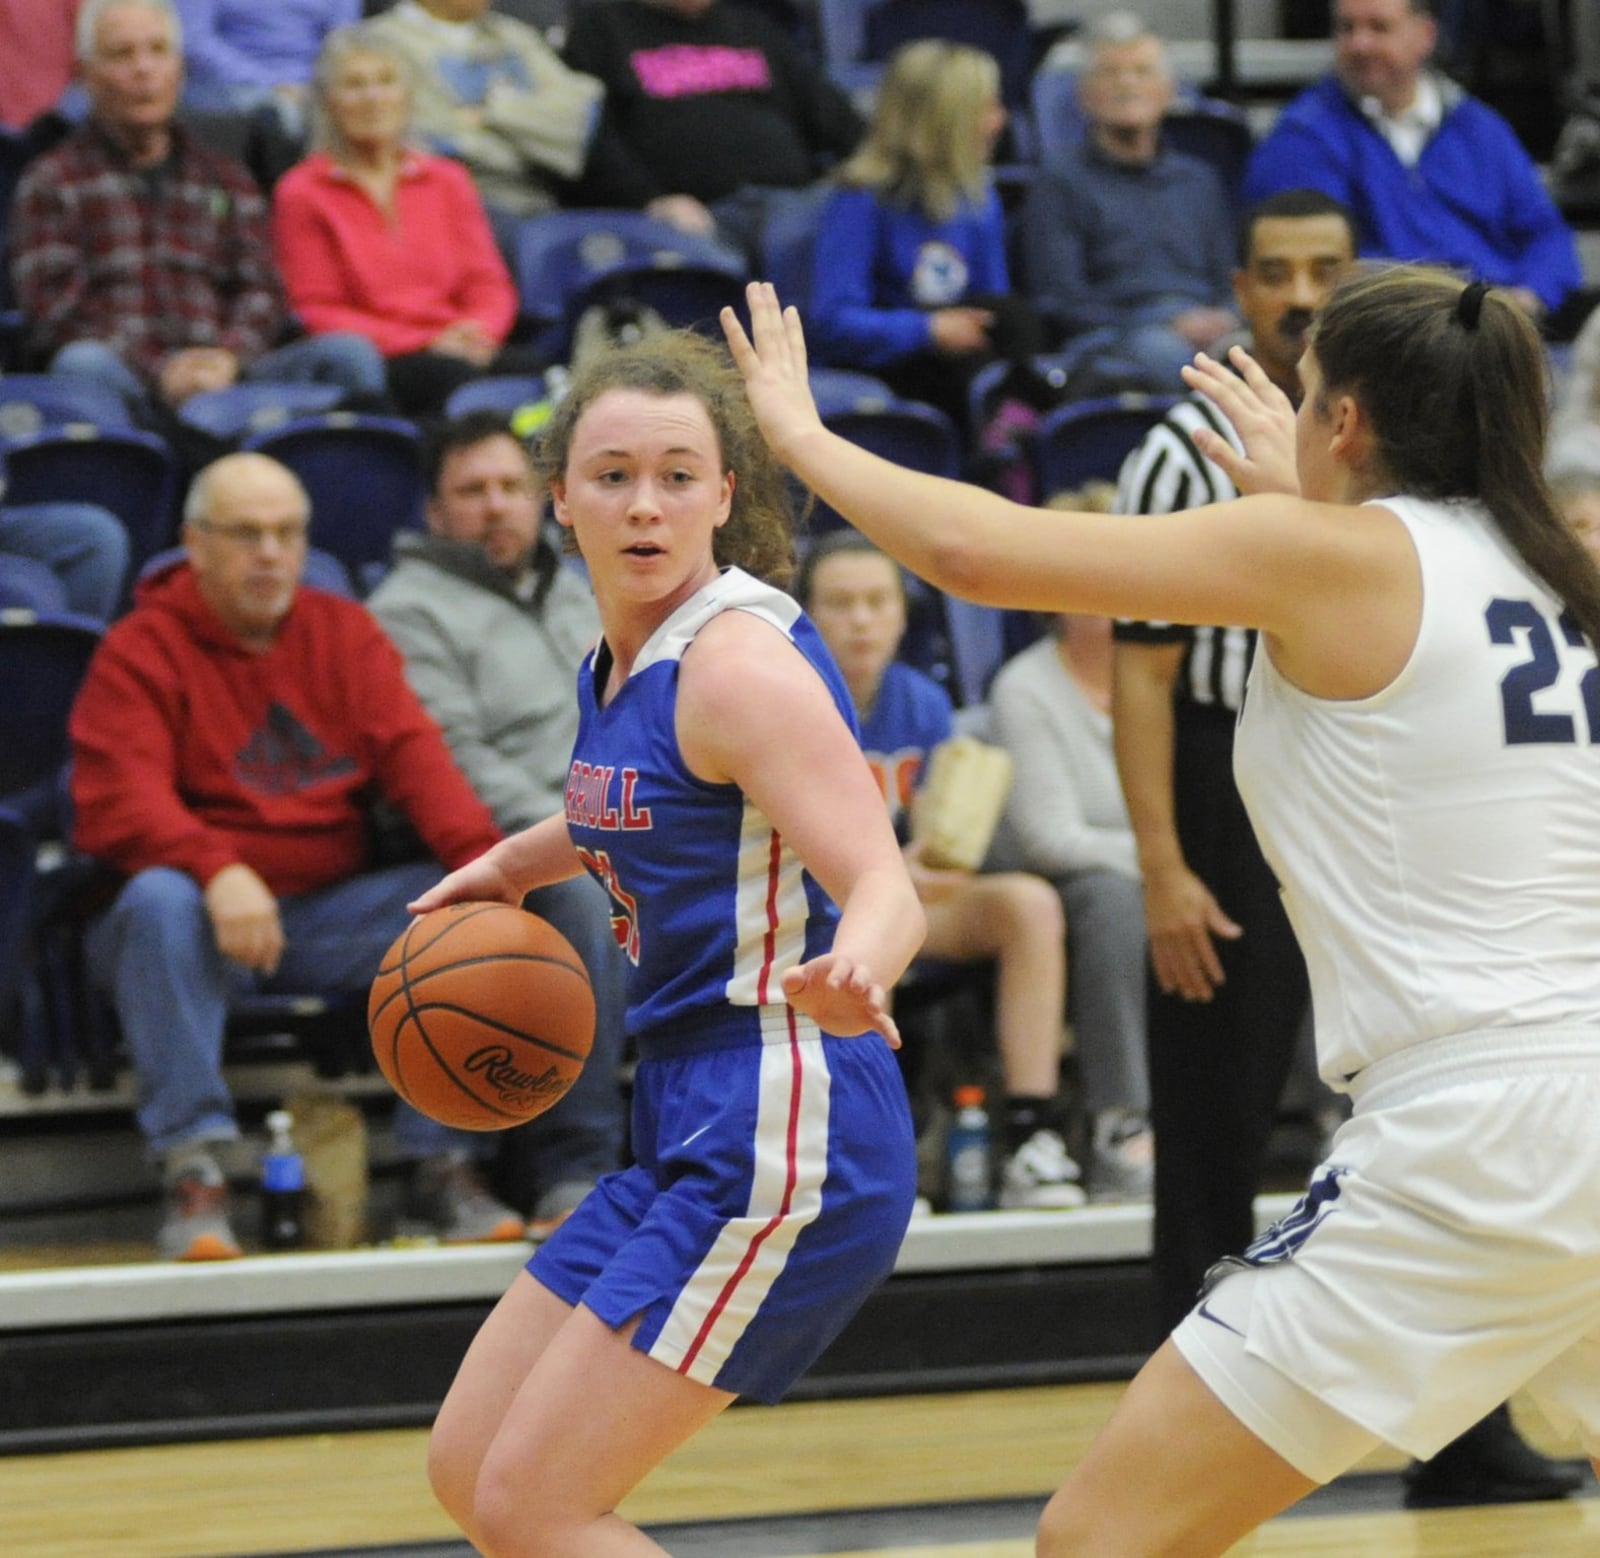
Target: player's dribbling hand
772,360
840,997
479,881
1261,415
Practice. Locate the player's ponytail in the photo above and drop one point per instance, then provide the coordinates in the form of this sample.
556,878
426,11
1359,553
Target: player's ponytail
1452,379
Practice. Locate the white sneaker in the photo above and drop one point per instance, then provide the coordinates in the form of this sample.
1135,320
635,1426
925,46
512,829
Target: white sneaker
1122,1161
1041,1175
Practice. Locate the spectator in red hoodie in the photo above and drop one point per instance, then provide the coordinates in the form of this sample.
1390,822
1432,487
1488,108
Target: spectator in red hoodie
229,736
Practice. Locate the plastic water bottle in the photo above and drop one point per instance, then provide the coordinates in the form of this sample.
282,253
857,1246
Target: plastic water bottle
283,1187
967,1154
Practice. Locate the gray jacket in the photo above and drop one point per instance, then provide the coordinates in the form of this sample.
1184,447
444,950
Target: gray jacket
499,674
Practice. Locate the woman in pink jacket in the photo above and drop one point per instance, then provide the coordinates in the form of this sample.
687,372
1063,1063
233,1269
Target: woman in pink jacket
374,236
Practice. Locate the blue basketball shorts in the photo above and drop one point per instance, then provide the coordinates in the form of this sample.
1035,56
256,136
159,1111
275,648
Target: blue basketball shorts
773,1185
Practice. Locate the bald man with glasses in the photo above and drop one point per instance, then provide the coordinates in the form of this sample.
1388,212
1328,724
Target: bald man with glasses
229,739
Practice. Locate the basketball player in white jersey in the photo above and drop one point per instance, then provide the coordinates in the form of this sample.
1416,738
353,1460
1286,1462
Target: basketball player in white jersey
1416,750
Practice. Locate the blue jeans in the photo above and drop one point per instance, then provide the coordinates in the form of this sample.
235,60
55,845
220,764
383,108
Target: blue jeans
153,952
581,1138
340,357
83,545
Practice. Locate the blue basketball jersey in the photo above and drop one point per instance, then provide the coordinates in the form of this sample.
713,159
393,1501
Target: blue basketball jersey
911,715
707,901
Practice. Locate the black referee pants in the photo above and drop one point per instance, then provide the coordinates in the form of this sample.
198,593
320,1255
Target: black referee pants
1217,1068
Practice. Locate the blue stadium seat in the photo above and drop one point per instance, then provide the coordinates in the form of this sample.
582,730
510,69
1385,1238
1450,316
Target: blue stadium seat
904,431
33,402
131,473
43,658
242,409
503,392
364,476
562,259
21,1006
1001,28
788,239
1088,440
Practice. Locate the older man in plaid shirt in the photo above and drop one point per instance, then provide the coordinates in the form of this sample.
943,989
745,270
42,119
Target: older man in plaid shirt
141,257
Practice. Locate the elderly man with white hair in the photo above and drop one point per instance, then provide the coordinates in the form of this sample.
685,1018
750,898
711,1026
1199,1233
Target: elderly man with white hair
1123,234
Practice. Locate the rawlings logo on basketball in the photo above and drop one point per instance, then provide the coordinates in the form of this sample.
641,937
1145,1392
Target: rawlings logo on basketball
497,1068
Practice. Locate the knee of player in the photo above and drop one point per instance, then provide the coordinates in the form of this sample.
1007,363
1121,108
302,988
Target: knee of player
1067,1530
510,1517
451,1475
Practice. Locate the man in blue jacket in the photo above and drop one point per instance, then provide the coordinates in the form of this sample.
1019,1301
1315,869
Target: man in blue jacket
1431,173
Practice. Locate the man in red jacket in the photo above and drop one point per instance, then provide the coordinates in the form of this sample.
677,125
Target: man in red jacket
228,739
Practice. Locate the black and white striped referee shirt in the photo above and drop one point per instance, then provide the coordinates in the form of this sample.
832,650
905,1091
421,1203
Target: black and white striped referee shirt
1164,474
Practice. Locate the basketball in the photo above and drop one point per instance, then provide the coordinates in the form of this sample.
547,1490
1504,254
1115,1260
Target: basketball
481,1015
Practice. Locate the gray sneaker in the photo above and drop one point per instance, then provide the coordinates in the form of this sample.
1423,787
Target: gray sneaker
1122,1157
194,1225
448,1200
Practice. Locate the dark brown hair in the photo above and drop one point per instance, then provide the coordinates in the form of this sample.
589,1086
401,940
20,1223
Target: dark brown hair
759,534
1452,379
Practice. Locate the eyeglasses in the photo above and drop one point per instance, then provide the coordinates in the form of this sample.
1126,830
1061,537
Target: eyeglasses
252,537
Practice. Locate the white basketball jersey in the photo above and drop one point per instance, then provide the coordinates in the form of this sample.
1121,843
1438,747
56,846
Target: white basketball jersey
1438,844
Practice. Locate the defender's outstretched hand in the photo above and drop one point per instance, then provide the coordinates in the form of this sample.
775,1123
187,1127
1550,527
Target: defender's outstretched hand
772,359
1261,415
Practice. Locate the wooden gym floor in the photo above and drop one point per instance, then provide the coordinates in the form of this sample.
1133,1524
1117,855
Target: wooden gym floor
932,1476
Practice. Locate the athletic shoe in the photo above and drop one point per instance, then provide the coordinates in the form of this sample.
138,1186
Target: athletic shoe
1041,1175
1489,1464
195,1223
446,1198
555,1206
1121,1157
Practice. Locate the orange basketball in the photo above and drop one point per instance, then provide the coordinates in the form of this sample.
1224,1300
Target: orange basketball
481,1015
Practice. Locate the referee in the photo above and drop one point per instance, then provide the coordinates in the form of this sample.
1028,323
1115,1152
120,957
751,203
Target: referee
1228,982
1229,989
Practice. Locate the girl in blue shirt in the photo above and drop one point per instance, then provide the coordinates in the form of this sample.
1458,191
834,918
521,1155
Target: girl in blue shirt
910,276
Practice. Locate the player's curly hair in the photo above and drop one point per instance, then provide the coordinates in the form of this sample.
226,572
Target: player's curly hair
759,534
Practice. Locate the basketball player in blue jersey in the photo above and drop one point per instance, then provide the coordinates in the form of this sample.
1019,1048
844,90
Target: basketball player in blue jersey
1416,748
718,793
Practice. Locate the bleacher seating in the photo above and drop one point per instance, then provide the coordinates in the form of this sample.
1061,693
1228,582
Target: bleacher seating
123,469
1088,440
564,261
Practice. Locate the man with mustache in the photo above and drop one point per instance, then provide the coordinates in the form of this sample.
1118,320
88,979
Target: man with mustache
1228,988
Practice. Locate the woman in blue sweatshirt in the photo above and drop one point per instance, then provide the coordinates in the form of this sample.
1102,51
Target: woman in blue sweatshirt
910,274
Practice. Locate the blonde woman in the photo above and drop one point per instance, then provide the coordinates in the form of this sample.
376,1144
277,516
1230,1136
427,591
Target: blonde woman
374,236
910,276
